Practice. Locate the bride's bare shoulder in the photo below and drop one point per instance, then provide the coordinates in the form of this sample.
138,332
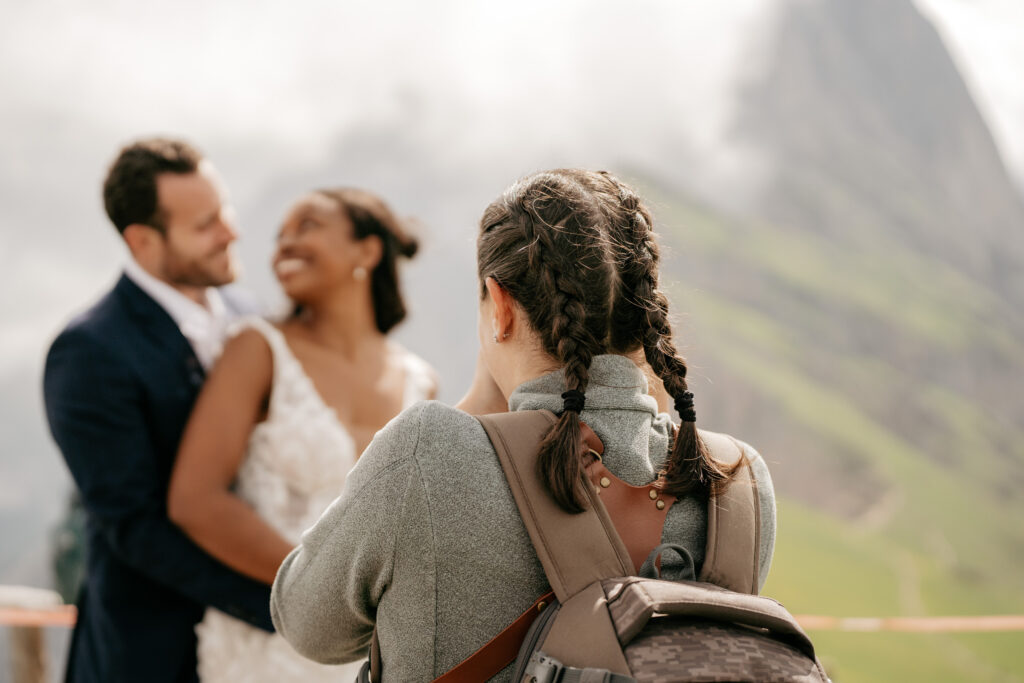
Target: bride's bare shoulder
419,369
247,354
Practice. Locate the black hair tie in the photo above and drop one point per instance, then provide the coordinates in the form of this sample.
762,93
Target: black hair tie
574,400
684,406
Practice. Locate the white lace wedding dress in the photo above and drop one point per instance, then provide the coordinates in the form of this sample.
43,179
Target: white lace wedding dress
295,466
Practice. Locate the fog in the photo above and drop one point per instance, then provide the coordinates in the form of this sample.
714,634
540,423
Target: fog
277,94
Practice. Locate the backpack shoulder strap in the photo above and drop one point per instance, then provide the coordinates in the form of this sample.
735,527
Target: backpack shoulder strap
575,549
731,558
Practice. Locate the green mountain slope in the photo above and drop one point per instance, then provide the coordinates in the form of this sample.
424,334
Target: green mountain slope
862,324
898,496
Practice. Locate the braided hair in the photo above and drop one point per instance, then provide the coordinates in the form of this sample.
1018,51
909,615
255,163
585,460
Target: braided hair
546,241
640,317
576,250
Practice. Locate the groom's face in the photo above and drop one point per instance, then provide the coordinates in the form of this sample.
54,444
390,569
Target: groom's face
199,230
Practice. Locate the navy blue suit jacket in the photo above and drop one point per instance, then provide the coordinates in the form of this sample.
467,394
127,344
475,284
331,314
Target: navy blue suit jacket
119,384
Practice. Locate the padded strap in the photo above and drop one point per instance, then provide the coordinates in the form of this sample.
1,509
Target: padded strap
575,549
731,558
638,512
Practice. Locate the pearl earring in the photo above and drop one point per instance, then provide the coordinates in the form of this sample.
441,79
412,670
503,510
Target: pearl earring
359,273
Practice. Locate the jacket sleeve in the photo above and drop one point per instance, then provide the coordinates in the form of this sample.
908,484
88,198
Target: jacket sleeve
95,407
325,597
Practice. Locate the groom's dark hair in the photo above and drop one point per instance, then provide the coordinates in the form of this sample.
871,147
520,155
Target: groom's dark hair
129,191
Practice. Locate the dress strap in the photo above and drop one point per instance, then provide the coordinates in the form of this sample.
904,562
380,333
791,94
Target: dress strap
418,379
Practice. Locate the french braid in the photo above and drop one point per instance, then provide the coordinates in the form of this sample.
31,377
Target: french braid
546,242
640,314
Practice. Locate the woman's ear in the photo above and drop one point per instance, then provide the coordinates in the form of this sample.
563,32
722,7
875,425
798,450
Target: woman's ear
371,252
503,312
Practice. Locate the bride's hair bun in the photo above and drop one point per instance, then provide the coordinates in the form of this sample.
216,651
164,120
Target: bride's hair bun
406,243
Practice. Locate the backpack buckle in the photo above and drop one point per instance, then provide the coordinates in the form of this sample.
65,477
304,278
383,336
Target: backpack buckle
542,669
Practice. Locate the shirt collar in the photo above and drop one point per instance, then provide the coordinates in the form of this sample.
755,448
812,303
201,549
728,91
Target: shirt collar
202,326
184,311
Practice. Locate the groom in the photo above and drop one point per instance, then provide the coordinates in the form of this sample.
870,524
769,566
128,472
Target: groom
119,384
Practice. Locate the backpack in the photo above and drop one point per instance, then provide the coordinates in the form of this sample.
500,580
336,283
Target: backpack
608,617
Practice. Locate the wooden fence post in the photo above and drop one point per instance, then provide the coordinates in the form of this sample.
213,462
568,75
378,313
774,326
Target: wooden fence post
28,655
28,646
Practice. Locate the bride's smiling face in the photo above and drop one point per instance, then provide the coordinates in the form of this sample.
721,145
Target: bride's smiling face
317,250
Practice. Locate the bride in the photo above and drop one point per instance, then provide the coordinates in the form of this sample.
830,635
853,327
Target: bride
287,410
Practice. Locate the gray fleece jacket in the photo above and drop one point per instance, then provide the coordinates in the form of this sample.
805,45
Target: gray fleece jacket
426,543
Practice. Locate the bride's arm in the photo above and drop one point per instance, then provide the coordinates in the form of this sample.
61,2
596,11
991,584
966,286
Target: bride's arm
200,500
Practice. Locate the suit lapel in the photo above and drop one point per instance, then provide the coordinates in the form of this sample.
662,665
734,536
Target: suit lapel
158,326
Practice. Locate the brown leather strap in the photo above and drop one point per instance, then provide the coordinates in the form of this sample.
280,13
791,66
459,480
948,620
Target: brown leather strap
731,558
375,660
499,651
638,512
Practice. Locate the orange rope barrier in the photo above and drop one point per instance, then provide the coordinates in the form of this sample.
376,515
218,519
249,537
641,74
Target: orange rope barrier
1009,622
65,615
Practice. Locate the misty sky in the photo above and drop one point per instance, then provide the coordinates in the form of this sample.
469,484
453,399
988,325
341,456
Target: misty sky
296,71
984,37
265,88
271,83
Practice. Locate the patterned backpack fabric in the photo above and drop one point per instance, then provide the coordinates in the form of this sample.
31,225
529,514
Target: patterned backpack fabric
606,624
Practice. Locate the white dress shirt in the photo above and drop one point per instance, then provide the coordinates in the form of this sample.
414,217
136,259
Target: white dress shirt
203,326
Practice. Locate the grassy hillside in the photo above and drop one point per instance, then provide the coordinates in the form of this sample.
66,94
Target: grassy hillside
900,496
825,566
